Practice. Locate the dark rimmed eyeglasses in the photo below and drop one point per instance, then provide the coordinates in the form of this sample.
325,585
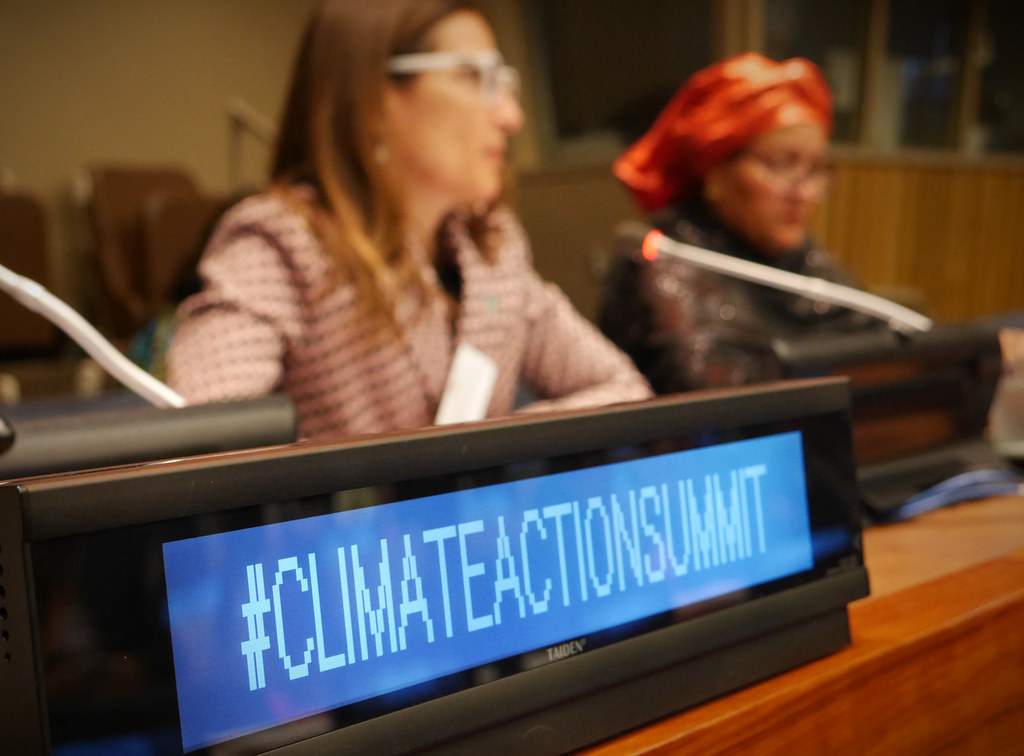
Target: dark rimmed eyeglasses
788,172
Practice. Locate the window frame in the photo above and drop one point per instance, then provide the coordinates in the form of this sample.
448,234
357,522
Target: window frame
738,26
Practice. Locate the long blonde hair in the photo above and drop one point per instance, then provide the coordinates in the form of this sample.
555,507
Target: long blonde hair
327,137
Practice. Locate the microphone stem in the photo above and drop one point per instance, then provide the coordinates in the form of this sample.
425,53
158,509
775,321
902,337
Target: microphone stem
36,298
897,316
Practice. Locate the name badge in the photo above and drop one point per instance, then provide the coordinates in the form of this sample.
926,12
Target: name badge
467,392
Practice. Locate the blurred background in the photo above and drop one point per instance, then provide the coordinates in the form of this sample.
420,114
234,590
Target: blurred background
127,124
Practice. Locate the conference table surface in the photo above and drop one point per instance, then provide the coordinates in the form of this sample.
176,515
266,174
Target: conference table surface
936,663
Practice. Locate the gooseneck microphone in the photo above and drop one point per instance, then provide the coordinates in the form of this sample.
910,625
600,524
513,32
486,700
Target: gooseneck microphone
36,298
654,243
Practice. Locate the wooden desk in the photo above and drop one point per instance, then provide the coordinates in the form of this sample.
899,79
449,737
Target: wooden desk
936,664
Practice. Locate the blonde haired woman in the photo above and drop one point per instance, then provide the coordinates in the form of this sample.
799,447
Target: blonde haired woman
382,252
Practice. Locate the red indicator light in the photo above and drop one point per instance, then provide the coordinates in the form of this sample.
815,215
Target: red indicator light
649,249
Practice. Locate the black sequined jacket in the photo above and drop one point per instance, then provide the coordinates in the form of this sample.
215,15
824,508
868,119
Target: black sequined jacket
687,328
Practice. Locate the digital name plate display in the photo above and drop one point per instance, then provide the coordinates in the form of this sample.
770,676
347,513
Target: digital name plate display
280,622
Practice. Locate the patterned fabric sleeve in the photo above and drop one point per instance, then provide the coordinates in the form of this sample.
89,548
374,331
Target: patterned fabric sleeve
231,338
568,363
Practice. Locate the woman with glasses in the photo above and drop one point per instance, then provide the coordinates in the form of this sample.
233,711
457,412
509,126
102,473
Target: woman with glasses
735,163
381,271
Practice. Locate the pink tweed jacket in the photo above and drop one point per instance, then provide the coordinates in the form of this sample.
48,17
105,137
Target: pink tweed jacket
270,319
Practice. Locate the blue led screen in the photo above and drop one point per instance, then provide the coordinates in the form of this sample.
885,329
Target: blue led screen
279,622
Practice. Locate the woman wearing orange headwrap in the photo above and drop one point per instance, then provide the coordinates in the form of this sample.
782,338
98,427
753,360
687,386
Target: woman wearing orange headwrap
735,163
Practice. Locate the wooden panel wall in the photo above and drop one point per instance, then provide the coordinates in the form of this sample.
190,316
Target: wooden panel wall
953,232
950,232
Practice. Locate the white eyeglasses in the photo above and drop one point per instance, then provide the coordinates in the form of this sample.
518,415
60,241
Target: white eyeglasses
495,77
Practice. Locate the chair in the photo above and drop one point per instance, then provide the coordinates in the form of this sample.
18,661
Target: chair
174,232
118,194
23,249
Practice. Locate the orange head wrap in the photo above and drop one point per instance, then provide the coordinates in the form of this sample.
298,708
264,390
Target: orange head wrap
718,111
